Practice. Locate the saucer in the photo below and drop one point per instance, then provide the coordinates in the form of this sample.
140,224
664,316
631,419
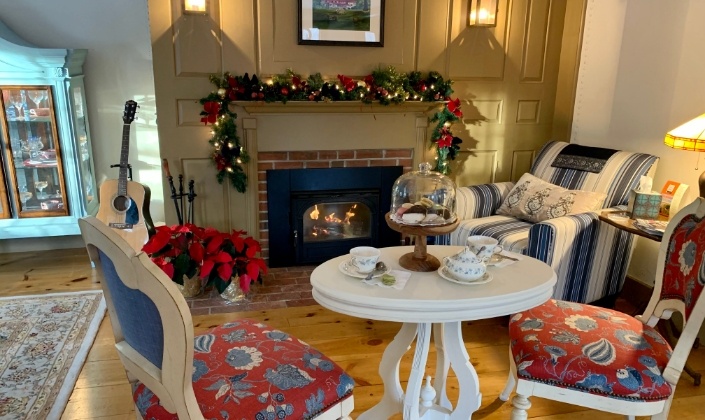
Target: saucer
346,268
486,278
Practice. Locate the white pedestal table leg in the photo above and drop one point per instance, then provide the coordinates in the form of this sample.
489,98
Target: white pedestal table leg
393,397
469,398
442,365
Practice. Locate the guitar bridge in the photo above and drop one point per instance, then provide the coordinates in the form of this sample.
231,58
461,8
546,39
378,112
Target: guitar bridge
121,225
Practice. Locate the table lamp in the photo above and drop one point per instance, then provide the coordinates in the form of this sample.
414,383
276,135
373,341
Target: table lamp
689,136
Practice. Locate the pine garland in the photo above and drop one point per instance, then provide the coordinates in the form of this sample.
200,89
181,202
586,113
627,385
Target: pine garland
381,86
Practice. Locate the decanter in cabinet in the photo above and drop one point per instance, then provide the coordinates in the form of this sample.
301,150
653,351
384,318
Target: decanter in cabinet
46,176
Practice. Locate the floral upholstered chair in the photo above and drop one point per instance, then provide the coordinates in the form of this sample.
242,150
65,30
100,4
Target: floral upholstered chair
552,214
606,360
239,370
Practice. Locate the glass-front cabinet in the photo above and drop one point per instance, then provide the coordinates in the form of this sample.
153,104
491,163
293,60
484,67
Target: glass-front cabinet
46,176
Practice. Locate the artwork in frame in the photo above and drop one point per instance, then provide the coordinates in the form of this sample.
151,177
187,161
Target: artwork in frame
341,22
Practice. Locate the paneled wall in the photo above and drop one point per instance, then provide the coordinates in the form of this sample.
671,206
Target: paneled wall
506,77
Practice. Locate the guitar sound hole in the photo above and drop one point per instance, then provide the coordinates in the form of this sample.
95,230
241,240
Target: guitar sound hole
122,203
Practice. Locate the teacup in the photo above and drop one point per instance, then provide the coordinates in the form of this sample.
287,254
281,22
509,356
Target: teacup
364,258
484,247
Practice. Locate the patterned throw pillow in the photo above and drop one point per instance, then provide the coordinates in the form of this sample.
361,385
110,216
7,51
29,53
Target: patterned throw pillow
535,200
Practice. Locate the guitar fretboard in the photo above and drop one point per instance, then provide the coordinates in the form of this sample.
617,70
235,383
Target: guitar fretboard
124,154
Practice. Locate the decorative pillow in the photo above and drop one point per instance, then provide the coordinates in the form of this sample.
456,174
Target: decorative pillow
535,200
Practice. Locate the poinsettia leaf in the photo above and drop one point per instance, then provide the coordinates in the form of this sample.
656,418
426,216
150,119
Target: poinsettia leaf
206,268
245,283
225,271
157,242
253,269
214,244
223,257
196,252
239,244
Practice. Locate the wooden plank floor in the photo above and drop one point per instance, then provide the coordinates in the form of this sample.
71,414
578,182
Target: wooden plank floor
102,390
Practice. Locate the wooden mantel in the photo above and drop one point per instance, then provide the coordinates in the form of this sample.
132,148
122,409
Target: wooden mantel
341,107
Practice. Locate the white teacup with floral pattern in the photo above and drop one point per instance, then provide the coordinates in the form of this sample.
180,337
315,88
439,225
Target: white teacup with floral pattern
484,247
364,258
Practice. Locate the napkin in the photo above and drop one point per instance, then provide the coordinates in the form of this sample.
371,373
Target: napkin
503,262
400,276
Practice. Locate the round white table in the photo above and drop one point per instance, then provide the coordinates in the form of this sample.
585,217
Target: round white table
429,303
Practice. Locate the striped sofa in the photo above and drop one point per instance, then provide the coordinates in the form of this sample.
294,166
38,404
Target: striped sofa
590,257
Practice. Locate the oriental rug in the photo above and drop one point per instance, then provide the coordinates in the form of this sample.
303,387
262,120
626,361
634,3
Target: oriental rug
44,341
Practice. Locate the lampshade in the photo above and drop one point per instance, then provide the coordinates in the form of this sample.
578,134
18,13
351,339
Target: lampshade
689,136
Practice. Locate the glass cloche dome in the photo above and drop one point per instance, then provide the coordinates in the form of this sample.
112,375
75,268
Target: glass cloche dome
423,198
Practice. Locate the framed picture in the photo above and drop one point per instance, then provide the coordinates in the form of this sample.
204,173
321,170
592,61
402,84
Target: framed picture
341,22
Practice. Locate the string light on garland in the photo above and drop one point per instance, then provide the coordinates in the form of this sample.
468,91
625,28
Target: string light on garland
383,86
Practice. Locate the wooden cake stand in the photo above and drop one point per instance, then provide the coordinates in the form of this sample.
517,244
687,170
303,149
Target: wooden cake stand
420,260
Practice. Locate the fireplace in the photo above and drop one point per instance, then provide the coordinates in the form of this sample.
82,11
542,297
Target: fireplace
318,214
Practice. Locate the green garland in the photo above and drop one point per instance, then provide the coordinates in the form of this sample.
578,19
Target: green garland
382,86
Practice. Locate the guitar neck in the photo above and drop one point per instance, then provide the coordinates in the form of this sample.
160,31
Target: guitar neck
124,153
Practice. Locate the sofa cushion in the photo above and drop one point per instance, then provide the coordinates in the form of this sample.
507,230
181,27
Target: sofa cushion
535,200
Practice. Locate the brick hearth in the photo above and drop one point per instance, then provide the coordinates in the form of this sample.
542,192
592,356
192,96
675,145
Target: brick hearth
320,159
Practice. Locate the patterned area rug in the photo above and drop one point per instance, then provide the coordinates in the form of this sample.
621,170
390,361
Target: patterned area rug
44,341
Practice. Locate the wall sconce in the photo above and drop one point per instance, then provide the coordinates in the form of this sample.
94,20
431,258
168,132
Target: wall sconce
482,13
195,7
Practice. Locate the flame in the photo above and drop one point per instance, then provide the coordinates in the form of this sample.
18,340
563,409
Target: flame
314,213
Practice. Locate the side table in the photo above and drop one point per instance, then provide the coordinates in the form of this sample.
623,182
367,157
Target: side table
628,225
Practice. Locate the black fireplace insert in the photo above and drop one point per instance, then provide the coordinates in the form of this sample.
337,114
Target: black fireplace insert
318,214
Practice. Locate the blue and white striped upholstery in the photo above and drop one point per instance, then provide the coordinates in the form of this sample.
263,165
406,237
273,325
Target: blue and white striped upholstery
590,257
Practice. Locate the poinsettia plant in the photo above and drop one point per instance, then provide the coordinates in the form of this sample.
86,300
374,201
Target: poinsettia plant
216,257
229,255
178,250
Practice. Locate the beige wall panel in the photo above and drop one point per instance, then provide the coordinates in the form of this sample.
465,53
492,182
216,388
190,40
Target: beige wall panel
309,132
521,163
528,111
197,41
189,111
279,49
210,207
474,167
535,40
485,110
239,41
477,53
433,36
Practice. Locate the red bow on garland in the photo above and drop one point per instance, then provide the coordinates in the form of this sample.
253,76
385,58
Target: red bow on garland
454,107
213,109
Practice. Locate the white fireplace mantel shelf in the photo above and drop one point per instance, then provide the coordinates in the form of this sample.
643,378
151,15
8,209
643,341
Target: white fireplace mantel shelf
343,107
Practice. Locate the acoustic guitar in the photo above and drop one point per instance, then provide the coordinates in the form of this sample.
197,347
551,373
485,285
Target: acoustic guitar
124,205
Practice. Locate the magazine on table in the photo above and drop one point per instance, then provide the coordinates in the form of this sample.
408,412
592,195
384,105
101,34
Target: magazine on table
653,227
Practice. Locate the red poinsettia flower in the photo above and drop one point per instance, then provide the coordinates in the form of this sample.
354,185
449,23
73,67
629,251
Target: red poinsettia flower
454,107
446,140
369,80
212,109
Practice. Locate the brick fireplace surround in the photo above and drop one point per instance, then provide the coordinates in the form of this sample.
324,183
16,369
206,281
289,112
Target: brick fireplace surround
320,159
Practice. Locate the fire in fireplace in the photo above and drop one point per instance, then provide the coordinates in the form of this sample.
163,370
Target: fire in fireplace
317,214
325,224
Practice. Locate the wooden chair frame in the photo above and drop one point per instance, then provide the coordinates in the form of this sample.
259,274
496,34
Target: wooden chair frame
656,310
172,383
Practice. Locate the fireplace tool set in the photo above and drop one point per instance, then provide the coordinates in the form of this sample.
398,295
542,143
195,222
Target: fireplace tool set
183,210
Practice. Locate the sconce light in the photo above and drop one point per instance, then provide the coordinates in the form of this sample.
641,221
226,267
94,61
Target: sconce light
482,13
195,7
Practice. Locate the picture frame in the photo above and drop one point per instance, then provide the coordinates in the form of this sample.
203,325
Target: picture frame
354,23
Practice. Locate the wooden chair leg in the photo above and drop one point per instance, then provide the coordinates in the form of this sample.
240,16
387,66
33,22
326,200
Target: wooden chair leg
521,404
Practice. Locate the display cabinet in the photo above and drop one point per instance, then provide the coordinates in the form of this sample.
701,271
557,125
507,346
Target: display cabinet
46,176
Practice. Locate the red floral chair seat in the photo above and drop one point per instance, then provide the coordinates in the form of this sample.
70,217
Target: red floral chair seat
590,349
248,367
